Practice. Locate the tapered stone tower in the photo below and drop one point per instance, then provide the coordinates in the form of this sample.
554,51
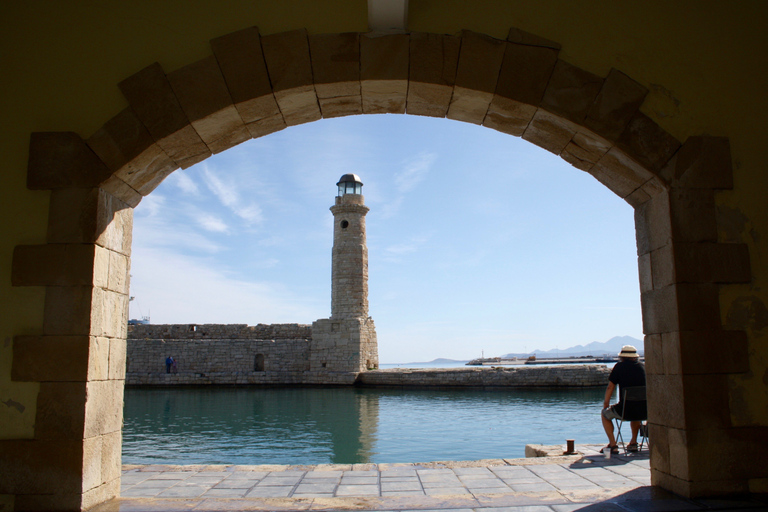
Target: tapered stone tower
346,342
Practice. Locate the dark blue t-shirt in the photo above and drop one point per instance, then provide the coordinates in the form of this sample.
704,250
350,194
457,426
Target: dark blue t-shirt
626,374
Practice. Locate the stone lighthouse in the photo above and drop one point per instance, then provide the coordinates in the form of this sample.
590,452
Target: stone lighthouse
346,342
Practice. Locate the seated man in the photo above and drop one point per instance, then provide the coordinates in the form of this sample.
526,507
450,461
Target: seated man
628,372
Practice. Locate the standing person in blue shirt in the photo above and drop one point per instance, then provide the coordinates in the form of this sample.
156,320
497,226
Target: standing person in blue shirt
168,364
628,372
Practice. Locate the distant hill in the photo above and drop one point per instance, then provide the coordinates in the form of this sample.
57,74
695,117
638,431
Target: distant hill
611,347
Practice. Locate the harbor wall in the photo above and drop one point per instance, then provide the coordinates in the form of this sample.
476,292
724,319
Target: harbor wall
281,354
526,376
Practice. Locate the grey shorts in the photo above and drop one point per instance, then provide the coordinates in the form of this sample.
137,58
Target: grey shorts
611,414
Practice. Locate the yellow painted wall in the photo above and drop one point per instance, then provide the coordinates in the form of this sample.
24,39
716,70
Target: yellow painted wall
704,62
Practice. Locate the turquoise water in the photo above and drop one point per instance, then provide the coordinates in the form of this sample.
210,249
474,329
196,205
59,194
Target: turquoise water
350,425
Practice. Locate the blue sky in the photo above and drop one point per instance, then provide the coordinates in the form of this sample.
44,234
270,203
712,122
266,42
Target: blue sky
477,241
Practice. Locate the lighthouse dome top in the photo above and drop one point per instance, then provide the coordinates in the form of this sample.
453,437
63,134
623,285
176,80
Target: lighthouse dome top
350,184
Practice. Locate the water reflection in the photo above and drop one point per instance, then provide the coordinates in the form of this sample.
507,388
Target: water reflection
348,425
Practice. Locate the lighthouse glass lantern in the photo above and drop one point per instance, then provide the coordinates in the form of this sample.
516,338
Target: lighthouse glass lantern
350,184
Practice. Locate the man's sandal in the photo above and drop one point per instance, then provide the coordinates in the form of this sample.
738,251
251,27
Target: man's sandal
632,447
614,449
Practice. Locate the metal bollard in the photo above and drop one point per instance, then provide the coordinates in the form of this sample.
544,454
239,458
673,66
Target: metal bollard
570,447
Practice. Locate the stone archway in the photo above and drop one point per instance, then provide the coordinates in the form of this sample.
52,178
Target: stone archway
251,86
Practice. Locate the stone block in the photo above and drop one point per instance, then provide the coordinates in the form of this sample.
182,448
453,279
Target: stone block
526,68
671,353
145,172
50,358
620,173
645,272
654,355
184,163
645,141
298,105
713,352
103,407
653,226
433,60
117,359
706,402
693,215
62,160
384,63
570,91
509,116
110,314
637,198
37,467
659,448
114,224
266,126
118,272
241,61
60,407
68,310
290,71
230,140
477,74
585,150
717,455
111,451
122,191
686,307
701,162
616,103
549,131
711,263
91,463
204,97
468,105
341,106
121,140
665,401
152,99
335,64
288,59
53,264
663,265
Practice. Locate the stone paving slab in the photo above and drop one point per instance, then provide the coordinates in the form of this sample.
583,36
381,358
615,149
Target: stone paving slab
588,482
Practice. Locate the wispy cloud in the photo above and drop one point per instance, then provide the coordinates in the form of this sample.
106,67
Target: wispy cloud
414,172
394,253
228,194
212,223
184,183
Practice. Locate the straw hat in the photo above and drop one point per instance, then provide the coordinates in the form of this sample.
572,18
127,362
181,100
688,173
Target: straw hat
628,351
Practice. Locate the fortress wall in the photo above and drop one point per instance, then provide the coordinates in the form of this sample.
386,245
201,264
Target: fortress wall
534,376
218,354
280,354
220,331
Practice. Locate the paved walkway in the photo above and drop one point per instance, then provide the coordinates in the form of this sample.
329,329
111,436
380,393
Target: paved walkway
553,484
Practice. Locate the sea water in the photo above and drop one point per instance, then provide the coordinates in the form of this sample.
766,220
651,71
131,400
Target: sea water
343,425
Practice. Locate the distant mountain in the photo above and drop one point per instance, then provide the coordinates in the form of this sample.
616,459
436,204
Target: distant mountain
611,347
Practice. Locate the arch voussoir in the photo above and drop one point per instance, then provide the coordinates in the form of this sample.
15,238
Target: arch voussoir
336,72
154,102
433,59
241,60
384,63
204,97
477,76
289,66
